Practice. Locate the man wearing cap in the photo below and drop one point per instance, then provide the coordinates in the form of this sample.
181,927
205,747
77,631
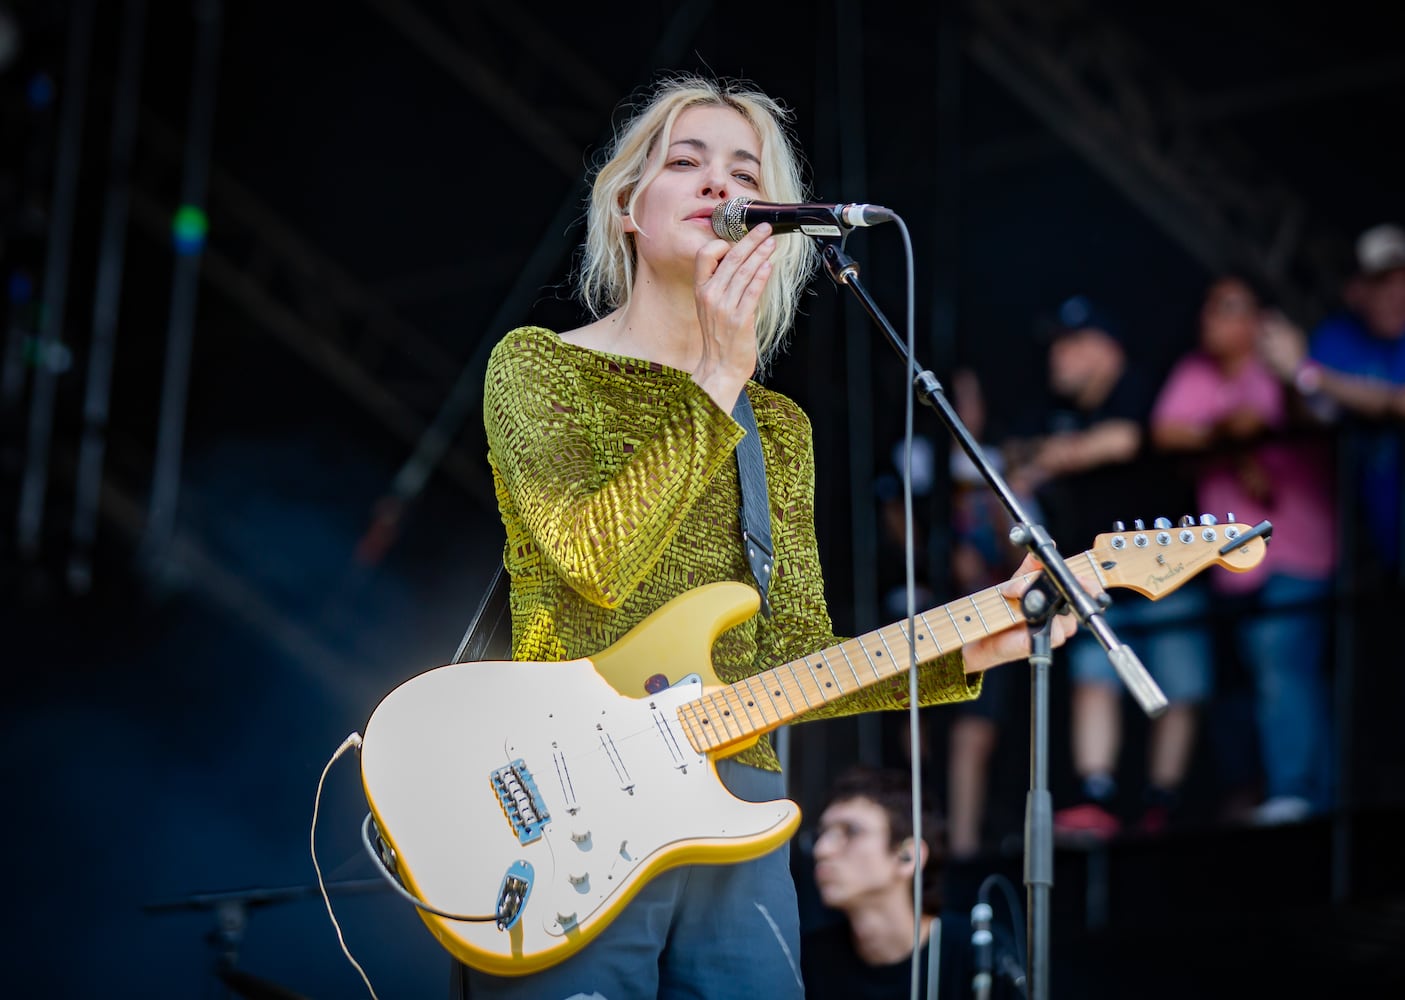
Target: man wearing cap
1091,465
1353,368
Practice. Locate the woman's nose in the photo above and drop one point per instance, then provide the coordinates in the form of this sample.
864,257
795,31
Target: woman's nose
715,185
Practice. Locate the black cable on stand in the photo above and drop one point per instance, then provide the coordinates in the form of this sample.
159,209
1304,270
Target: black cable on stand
1055,589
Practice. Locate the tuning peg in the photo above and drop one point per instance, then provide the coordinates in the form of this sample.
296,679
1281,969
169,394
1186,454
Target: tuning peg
1208,520
1161,523
1187,521
1229,517
1139,525
1119,525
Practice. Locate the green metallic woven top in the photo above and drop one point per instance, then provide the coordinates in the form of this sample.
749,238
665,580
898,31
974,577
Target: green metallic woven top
617,483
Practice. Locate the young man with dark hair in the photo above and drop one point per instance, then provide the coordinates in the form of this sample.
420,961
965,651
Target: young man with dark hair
865,854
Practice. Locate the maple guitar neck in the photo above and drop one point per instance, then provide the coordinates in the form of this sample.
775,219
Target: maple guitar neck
1153,563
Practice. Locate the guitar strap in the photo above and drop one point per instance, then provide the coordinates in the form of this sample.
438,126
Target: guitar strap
489,632
756,505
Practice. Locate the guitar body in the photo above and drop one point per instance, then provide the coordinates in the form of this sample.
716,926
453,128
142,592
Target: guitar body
544,772
544,796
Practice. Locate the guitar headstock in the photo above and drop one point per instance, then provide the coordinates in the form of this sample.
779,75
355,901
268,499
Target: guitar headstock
1155,561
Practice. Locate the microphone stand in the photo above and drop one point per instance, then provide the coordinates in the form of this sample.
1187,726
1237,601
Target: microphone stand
231,909
1053,589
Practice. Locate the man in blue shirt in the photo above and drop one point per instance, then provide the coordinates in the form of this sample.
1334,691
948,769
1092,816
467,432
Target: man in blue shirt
1355,367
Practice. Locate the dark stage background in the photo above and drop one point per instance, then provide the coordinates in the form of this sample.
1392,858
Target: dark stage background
283,509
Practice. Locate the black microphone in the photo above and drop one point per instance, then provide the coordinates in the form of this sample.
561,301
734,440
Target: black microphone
733,219
982,945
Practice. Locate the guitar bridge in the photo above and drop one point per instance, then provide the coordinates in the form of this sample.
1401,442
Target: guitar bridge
521,802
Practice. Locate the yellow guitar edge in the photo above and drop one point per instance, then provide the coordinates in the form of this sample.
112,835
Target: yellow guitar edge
681,633
1247,560
692,852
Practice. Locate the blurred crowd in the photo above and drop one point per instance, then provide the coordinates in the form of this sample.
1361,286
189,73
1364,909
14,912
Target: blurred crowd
1276,675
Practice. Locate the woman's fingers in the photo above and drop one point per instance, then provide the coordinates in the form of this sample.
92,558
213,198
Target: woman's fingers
730,278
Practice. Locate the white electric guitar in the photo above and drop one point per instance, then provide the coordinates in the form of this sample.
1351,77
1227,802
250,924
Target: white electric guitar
524,804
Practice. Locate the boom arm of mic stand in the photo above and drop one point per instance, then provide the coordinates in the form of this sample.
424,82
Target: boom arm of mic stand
843,270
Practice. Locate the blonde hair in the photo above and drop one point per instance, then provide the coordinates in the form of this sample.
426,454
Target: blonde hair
605,276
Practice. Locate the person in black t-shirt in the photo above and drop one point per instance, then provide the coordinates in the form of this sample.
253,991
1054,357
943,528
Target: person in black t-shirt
865,855
1092,466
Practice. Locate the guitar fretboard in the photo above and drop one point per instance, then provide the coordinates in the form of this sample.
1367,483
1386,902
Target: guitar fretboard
756,705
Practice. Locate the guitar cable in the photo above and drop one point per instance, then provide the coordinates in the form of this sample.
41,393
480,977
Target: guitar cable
354,740
395,883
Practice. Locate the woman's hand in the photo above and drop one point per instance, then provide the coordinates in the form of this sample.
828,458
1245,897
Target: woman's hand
729,279
1281,345
1013,643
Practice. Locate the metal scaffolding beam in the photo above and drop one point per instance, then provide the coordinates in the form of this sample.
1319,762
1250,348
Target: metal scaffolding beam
51,354
1094,87
393,370
185,287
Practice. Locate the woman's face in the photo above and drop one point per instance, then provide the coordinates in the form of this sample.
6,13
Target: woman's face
1229,320
712,155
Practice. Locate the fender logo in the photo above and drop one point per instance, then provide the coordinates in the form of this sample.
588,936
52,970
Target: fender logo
1171,573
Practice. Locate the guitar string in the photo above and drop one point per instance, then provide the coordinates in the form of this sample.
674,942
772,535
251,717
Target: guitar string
987,600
